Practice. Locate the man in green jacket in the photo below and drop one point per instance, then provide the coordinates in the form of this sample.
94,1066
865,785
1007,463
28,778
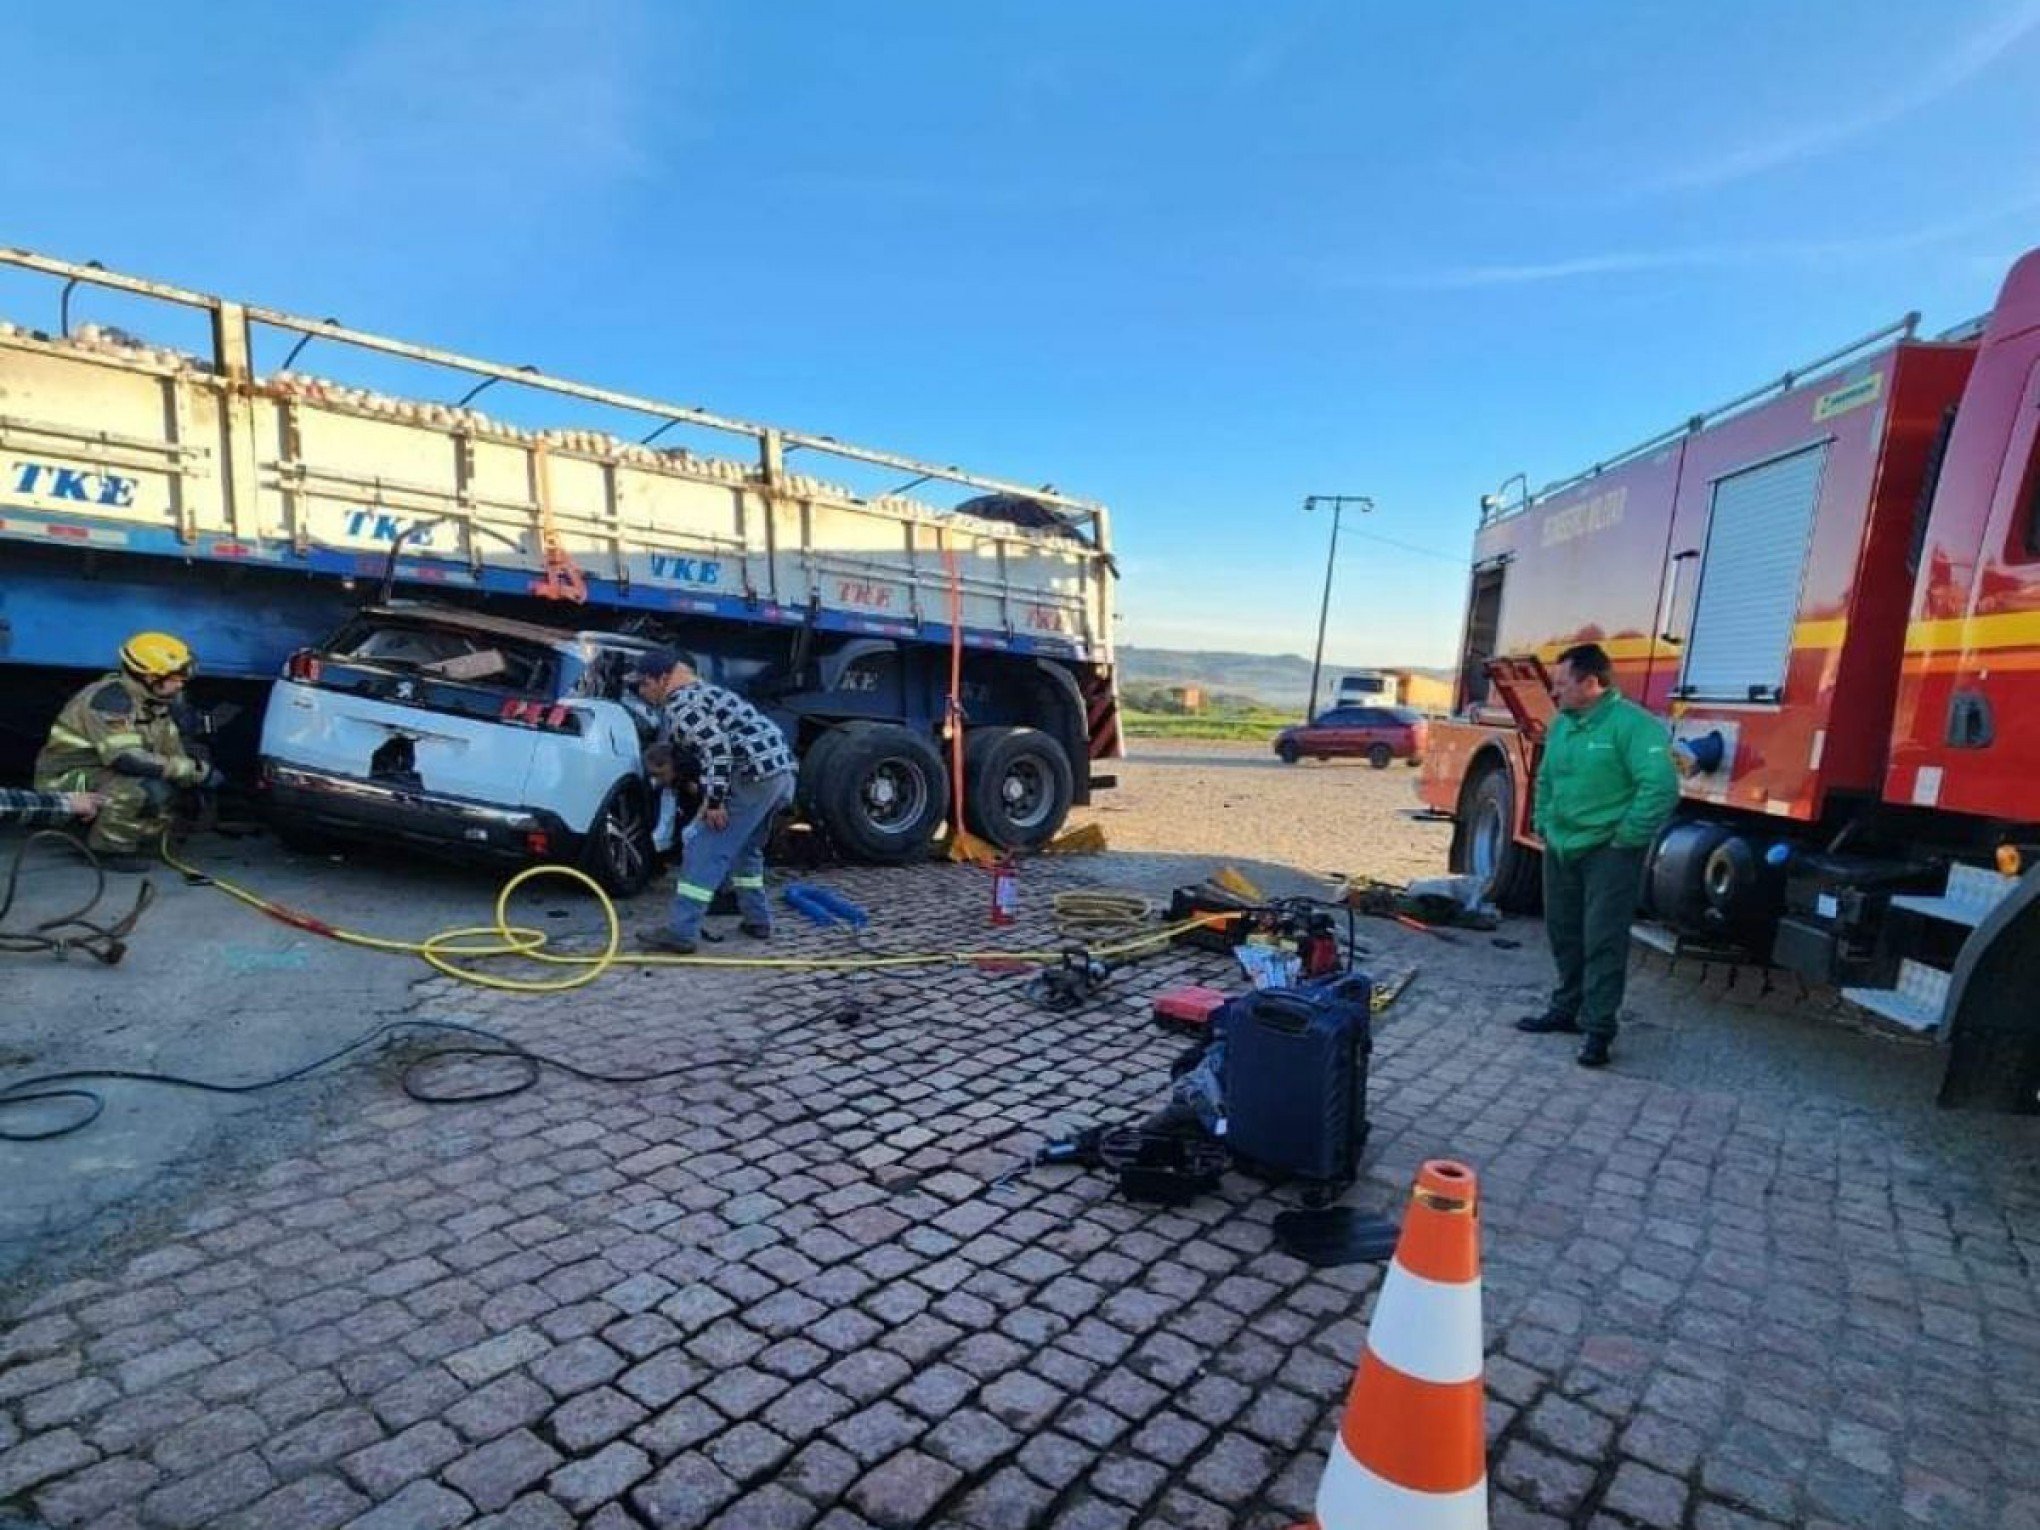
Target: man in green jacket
1604,789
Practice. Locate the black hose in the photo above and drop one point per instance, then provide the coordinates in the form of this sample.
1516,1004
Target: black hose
69,931
37,1090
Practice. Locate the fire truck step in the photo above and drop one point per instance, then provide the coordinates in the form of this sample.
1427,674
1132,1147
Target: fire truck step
1917,1003
1972,893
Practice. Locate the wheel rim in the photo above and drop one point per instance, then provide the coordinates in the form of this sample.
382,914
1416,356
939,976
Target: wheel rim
894,795
621,828
1025,793
1485,842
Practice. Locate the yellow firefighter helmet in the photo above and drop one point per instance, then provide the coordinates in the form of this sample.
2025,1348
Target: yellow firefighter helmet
155,656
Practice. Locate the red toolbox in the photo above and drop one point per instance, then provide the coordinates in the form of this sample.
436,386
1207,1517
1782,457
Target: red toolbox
1188,1009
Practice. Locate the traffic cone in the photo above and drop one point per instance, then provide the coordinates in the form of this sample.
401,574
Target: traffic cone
1411,1452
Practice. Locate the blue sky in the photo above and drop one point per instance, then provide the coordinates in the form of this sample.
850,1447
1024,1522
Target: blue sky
1196,260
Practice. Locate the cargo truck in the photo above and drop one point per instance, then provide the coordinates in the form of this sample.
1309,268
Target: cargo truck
254,510
1829,588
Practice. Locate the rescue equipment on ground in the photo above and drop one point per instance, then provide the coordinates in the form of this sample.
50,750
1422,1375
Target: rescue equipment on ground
1005,891
71,930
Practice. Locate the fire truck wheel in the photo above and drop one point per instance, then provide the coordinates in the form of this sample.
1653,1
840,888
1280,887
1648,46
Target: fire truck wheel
1018,785
883,792
1675,886
1485,844
1380,756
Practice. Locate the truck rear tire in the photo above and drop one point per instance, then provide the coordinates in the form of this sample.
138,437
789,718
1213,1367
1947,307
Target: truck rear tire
1018,786
1379,756
1485,844
881,791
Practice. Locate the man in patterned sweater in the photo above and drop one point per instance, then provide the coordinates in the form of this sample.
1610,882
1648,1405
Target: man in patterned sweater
747,777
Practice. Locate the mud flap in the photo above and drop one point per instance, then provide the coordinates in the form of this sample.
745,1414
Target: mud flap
1994,1010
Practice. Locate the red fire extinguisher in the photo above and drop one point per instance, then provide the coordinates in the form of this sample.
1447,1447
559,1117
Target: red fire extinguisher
1005,890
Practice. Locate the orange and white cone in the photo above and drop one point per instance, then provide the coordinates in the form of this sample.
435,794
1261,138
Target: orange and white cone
1411,1452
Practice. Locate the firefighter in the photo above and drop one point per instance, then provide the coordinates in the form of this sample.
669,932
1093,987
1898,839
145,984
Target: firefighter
118,739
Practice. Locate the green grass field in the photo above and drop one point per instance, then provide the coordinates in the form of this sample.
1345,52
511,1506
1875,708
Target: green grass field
1256,726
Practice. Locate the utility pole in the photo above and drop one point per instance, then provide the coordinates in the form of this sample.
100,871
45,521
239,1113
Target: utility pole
1338,502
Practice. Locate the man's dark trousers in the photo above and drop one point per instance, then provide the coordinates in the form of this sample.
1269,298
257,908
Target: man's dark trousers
1589,902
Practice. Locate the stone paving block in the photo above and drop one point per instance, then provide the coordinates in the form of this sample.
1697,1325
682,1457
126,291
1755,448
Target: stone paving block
875,1432
310,1503
98,1489
321,1439
422,1394
595,1418
537,1511
970,1440
576,1367
41,1458
684,1494
209,1496
495,1474
1010,1500
749,1451
496,1355
381,1469
69,1402
509,1402
420,1506
902,1491
743,1391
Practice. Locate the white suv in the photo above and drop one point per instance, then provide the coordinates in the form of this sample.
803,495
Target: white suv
465,733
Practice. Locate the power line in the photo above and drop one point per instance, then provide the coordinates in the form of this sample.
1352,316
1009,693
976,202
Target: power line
1428,552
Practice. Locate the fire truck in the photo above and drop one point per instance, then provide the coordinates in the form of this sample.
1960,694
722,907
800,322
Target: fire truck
1829,588
233,495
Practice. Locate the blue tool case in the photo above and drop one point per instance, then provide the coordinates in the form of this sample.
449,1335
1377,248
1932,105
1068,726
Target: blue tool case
1295,1081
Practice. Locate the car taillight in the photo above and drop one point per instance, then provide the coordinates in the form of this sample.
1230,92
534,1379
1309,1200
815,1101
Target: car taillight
553,717
302,665
537,842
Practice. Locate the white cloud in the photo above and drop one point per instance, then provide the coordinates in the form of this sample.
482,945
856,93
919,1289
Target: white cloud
1896,98
1811,253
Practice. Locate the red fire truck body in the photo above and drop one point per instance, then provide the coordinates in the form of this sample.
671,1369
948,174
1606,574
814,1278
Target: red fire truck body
1830,589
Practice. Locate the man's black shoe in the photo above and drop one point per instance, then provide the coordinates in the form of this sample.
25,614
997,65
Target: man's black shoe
1594,1052
1546,1023
755,931
116,860
664,942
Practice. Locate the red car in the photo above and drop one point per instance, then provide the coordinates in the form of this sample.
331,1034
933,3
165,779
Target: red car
1380,734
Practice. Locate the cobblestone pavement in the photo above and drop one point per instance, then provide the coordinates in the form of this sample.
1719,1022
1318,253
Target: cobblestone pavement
1747,1277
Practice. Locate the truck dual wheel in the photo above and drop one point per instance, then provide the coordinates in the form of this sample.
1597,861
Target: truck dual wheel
881,790
1018,785
618,851
1485,845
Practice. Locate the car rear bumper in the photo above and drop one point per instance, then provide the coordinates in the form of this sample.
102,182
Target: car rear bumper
348,805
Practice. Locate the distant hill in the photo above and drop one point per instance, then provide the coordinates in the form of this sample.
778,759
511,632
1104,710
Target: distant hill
1279,679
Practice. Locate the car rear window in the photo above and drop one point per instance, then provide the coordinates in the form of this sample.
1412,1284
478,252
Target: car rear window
473,658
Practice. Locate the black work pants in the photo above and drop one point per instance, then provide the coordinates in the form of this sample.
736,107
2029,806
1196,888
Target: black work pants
1589,902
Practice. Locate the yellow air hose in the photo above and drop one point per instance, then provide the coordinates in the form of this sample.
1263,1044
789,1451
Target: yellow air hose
446,949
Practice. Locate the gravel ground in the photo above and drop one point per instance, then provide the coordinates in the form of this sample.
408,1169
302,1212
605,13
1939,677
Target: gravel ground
1235,799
